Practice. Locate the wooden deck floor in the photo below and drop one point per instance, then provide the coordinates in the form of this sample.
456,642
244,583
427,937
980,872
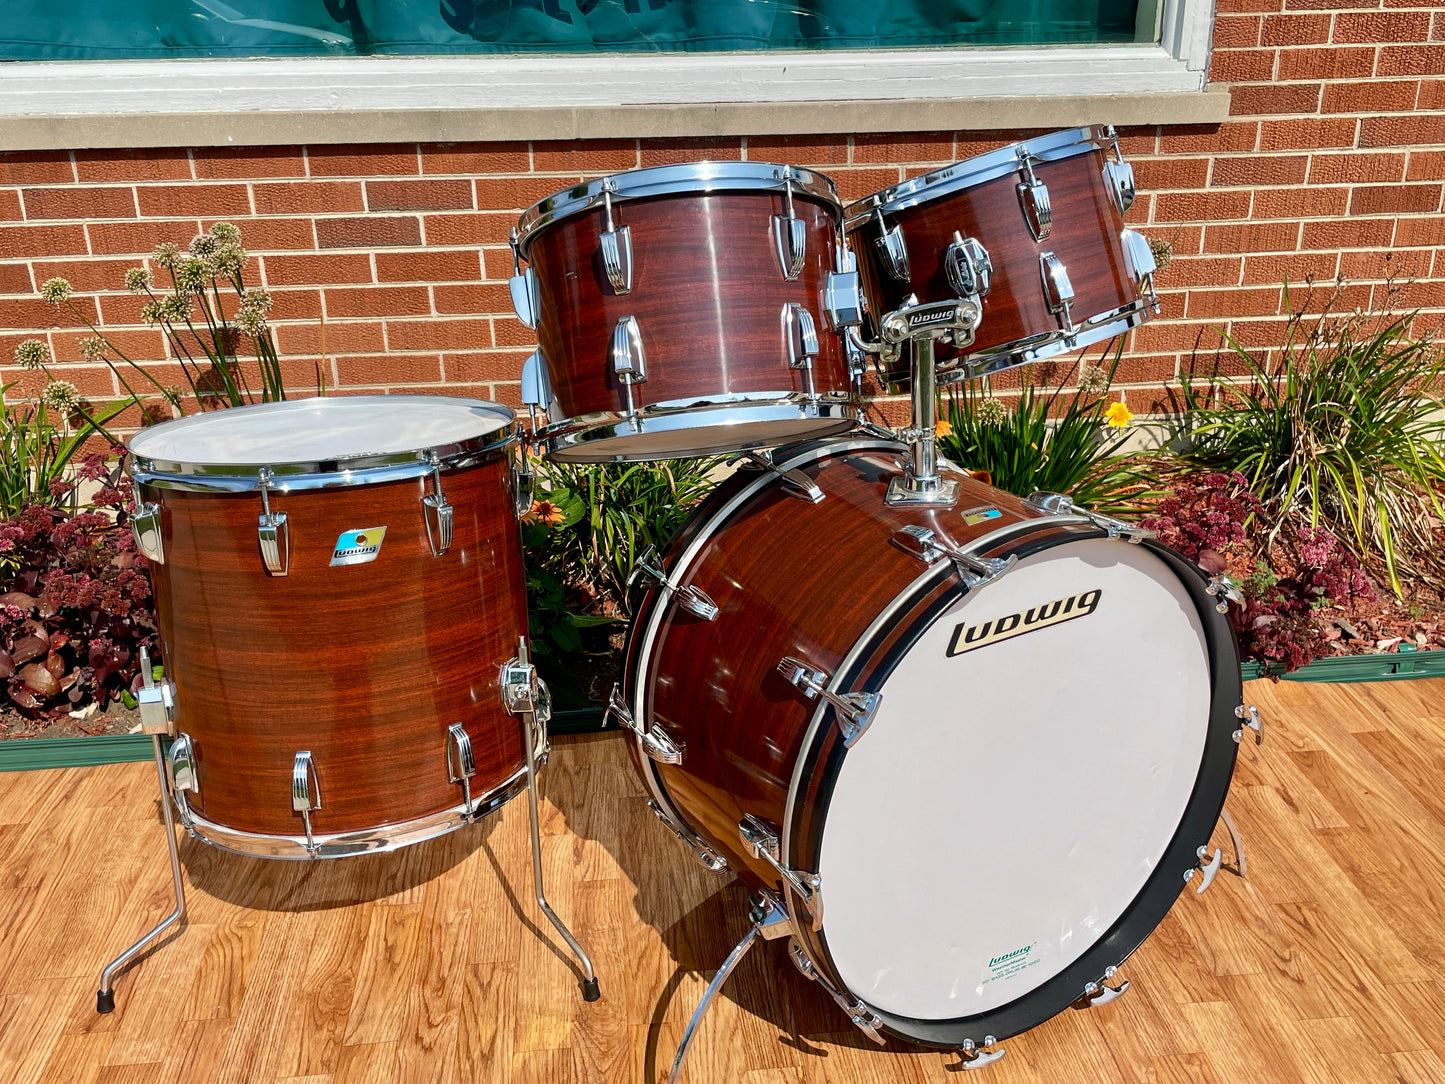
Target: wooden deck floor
1327,964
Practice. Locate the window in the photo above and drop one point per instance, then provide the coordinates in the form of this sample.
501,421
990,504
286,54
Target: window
319,71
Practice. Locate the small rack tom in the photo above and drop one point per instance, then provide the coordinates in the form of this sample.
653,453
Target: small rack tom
1033,232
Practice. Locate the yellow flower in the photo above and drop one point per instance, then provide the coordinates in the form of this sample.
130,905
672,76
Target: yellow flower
1118,415
544,512
943,428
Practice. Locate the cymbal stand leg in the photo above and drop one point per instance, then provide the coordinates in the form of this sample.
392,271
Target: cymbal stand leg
105,996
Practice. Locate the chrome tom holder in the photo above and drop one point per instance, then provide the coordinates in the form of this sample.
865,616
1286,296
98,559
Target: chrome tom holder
920,325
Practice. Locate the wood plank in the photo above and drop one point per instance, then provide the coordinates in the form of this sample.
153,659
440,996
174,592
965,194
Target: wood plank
435,964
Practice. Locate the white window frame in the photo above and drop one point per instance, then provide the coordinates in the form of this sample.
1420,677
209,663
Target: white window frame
343,99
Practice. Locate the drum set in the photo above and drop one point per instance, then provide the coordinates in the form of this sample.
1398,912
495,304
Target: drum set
966,748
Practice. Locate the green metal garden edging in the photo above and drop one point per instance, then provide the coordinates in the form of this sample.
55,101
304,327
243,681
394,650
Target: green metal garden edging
38,753
34,754
1350,668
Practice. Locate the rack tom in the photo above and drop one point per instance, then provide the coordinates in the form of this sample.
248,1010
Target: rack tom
680,311
338,586
1033,232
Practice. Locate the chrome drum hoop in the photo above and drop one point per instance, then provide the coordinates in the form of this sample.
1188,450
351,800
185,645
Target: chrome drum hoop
389,837
342,471
1096,329
584,439
971,172
691,178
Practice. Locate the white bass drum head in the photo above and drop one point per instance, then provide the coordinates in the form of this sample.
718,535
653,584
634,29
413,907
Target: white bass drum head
1029,765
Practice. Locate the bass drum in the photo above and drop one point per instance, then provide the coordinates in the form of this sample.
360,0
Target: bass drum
973,801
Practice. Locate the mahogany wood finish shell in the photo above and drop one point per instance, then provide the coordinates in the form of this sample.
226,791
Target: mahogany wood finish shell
364,666
714,685
1085,237
707,293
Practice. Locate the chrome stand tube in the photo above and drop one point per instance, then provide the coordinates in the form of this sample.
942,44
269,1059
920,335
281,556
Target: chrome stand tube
770,921
919,325
1239,863
105,996
729,966
590,990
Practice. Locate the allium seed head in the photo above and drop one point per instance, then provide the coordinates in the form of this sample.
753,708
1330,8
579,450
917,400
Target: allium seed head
176,309
193,276
93,349
150,313
203,246
138,279
32,354
166,255
60,395
55,290
991,411
226,233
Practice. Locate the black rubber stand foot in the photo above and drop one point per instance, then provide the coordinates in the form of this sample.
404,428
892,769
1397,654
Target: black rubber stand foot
590,991
105,1001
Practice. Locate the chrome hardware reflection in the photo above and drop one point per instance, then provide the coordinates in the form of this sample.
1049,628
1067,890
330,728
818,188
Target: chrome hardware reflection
1057,504
843,300
1207,865
461,763
918,541
800,340
1101,993
1058,290
794,482
1240,867
968,267
855,711
271,530
1119,182
523,286
893,249
145,527
1226,591
536,388
181,768
1140,264
760,840
709,858
1034,199
769,921
975,1055
648,572
524,487
656,742
438,513
157,701
526,696
1252,721
790,233
303,800
628,361
863,1018
616,245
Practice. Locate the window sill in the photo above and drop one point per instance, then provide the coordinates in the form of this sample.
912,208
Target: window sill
128,104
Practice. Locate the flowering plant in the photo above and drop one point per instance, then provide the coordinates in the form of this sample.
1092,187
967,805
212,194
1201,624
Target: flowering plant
206,312
37,446
75,608
1043,440
1214,520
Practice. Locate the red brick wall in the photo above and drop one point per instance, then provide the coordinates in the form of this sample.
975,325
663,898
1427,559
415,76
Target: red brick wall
1331,164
